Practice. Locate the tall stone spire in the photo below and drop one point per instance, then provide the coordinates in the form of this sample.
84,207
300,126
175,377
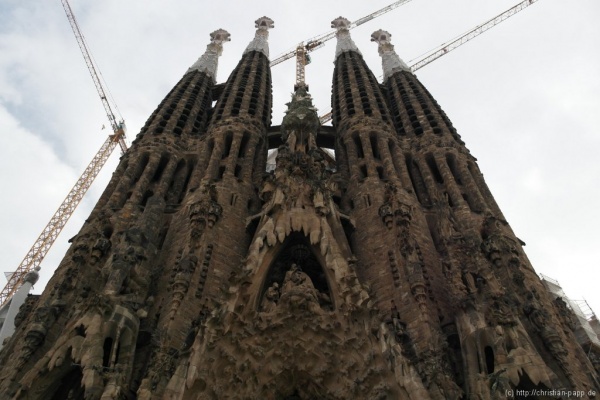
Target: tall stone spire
248,90
185,109
208,61
389,58
260,41
365,98
344,41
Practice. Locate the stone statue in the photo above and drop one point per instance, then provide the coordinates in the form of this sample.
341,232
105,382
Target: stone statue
298,290
133,251
271,298
100,249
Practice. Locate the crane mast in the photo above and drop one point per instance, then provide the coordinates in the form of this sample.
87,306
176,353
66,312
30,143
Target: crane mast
302,58
316,42
46,239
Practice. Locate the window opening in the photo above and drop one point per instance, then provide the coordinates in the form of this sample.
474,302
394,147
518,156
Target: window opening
107,350
227,148
434,168
358,146
164,159
363,171
489,359
374,148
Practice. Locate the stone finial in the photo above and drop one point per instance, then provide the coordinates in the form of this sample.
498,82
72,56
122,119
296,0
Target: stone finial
390,60
32,276
219,36
208,62
344,41
259,43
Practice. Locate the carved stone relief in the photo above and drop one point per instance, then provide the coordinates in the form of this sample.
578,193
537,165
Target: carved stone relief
204,210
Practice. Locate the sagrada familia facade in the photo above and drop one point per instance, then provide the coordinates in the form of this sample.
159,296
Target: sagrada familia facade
371,262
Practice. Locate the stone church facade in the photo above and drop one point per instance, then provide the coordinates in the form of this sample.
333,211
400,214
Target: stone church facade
379,269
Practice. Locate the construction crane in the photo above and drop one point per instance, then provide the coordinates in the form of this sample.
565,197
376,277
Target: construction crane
301,51
44,242
473,33
445,48
118,128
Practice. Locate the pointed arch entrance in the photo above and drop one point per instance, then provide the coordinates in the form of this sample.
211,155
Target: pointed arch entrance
296,263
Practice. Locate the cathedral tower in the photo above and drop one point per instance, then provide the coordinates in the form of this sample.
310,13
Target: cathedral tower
371,263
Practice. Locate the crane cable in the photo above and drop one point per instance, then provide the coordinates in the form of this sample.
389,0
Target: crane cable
447,47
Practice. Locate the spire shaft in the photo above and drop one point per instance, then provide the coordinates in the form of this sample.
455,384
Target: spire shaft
260,41
344,41
208,62
390,60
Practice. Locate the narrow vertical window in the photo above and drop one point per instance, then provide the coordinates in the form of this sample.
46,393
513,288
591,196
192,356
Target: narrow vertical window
374,147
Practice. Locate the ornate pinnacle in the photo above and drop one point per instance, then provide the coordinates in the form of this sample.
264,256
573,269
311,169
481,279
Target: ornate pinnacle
389,58
208,62
344,41
32,276
301,122
259,43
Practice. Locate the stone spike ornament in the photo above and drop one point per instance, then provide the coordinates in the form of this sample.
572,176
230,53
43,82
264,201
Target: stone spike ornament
389,58
260,41
209,61
344,41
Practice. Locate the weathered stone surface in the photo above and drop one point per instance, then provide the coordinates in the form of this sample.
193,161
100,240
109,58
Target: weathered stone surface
385,272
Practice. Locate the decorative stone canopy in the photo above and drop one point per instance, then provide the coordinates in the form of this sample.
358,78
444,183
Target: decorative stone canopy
344,41
208,62
260,41
389,58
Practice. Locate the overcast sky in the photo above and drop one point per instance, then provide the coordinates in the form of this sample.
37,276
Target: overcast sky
525,96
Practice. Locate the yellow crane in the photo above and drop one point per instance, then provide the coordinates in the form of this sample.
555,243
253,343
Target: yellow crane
301,51
46,239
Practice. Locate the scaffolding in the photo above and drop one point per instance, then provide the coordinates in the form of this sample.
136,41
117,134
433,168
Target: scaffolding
587,331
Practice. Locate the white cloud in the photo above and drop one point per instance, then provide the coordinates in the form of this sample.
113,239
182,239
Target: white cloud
533,181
